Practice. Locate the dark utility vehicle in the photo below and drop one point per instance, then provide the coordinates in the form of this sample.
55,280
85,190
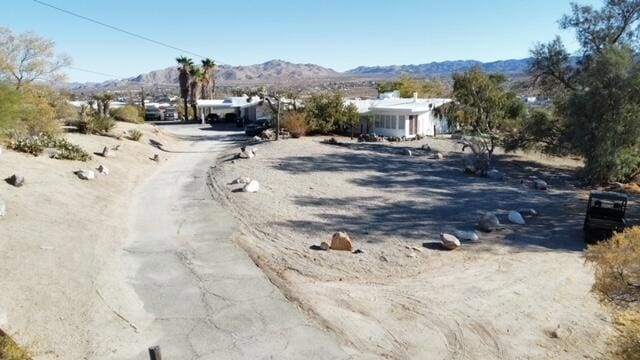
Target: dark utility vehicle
605,216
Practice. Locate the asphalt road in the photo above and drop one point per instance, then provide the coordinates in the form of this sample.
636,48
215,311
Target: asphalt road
207,298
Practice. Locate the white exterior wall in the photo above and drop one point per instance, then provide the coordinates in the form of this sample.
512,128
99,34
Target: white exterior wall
427,121
384,131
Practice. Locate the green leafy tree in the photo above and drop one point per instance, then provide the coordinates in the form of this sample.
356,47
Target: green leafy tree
325,111
484,110
351,117
604,73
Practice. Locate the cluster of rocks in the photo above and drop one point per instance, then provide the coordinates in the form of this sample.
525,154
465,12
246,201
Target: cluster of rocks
248,185
268,134
488,222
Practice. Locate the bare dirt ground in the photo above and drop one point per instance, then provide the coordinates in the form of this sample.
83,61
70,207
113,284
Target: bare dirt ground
403,297
57,240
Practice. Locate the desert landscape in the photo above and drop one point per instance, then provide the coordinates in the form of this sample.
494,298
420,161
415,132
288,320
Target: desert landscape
518,293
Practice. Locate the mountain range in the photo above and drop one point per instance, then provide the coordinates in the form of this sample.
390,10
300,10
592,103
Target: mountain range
279,71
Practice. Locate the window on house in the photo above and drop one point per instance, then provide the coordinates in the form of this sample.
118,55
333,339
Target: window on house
378,121
401,121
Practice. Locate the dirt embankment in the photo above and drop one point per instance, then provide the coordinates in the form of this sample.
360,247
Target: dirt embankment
56,240
403,297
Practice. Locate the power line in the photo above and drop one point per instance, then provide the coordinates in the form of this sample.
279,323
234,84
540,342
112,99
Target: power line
118,29
94,72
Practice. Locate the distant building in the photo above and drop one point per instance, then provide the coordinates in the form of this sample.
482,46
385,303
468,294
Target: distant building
242,108
393,116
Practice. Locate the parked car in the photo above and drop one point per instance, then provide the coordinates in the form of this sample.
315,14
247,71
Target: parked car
256,127
152,113
170,114
605,216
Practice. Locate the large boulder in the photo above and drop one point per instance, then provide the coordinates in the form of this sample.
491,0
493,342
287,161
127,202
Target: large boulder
466,235
341,241
516,218
86,174
449,241
15,180
494,174
252,187
488,222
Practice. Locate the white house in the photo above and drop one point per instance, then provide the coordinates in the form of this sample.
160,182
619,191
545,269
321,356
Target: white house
392,116
241,107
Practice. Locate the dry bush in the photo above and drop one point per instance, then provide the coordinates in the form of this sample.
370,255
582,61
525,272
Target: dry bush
134,134
617,273
127,113
9,350
297,123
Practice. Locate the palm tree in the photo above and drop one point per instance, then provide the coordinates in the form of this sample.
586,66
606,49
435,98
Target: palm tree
195,74
183,78
209,83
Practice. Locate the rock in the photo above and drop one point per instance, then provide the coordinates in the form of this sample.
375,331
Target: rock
15,180
383,258
3,208
103,170
516,218
540,184
324,246
86,174
246,153
241,181
116,148
106,152
488,222
437,156
341,241
268,135
426,147
466,235
252,187
156,158
408,152
494,174
470,169
449,241
527,212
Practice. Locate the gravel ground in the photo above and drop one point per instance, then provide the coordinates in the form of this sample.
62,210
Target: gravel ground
404,297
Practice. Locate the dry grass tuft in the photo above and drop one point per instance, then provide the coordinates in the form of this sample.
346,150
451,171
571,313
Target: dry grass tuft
9,350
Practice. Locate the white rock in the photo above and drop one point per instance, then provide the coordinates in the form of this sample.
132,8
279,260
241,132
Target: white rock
516,218
437,156
103,170
241,180
246,153
324,246
106,152
256,139
488,222
252,187
449,241
408,152
495,174
3,209
540,184
86,174
528,212
466,235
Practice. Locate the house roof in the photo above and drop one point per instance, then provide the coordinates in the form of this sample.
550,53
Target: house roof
398,105
231,102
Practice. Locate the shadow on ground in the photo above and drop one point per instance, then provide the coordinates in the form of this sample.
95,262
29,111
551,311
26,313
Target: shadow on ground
440,197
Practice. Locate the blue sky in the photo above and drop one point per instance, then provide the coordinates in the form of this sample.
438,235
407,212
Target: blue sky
332,33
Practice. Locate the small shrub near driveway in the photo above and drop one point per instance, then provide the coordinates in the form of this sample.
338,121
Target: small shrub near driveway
127,113
297,123
135,134
96,124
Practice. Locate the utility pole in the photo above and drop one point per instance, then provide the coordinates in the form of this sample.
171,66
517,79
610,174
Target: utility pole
278,120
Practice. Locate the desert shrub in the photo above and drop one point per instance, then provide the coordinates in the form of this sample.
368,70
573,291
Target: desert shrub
617,274
134,134
69,151
297,123
127,113
9,350
35,145
96,124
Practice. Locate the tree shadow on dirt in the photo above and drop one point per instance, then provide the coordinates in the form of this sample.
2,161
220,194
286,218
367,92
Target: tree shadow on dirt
442,198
